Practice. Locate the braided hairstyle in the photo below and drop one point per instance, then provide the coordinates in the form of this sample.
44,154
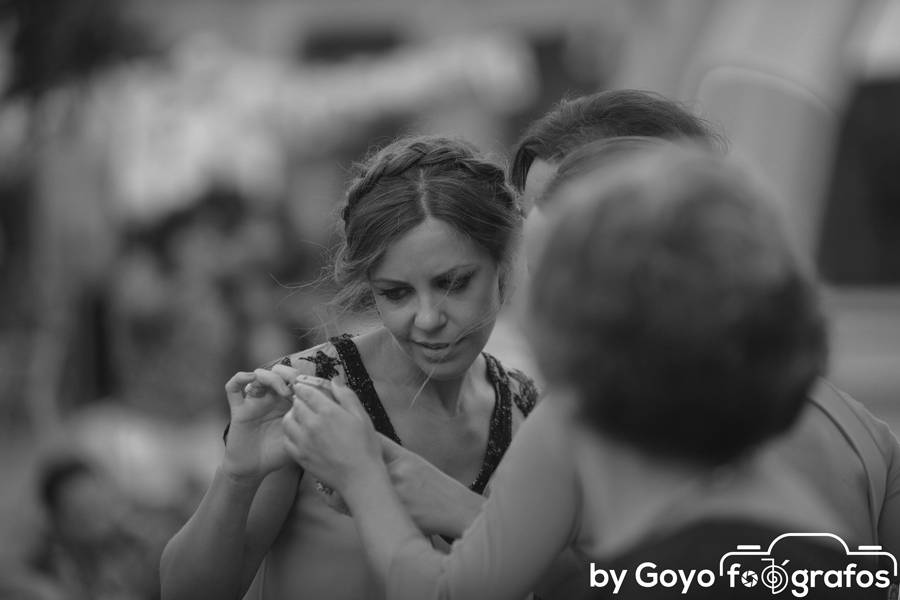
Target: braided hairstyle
413,179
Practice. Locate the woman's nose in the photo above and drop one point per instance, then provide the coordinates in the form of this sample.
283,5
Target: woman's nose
429,315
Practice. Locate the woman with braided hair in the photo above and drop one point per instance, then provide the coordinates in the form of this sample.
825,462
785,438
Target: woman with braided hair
429,228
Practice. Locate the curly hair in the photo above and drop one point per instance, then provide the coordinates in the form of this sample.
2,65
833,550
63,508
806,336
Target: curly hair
611,113
671,300
408,181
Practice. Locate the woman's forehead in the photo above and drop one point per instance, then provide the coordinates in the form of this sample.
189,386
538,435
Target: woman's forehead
431,248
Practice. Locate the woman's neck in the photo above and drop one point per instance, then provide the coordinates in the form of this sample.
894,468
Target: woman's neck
443,396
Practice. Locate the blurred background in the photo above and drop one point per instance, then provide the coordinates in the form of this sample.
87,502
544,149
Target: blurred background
170,172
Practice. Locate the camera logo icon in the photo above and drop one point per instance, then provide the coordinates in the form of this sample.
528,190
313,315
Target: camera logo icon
751,565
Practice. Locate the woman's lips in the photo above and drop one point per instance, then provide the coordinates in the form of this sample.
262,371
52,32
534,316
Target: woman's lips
432,346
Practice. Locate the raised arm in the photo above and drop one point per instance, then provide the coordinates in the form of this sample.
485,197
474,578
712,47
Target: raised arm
437,503
531,515
217,552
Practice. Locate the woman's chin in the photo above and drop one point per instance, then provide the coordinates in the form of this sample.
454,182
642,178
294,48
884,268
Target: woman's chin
443,370
445,363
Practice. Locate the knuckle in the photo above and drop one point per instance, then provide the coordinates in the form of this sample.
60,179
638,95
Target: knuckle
401,469
237,379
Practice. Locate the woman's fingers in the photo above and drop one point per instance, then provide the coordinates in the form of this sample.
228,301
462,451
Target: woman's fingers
235,387
285,372
273,381
348,399
258,383
314,396
300,416
295,424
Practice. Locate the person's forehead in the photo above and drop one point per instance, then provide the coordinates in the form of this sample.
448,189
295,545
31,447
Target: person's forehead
539,175
433,247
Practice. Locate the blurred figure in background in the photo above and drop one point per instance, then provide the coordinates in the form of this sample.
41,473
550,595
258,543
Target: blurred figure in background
64,61
101,341
185,302
860,238
100,543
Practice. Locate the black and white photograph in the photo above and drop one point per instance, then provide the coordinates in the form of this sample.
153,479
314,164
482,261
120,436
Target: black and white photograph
449,299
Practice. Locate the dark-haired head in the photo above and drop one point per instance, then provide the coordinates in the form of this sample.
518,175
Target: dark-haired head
611,113
594,155
409,181
669,299
82,504
582,160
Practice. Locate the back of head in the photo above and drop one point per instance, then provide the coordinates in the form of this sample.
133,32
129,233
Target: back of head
405,183
670,300
611,113
595,155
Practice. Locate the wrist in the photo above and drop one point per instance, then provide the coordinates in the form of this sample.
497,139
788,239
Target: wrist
368,483
240,477
458,513
467,509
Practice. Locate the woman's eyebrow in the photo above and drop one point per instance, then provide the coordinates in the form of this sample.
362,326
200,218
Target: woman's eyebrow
454,270
385,281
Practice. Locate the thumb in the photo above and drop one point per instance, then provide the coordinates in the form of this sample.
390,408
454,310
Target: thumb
348,399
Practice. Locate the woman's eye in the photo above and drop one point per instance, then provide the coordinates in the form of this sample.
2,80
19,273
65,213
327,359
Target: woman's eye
394,294
455,284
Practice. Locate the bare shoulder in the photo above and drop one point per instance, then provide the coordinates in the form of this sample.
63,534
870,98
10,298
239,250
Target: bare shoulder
321,360
523,390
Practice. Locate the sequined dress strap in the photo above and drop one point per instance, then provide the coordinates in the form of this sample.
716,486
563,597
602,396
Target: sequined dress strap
500,428
500,432
359,381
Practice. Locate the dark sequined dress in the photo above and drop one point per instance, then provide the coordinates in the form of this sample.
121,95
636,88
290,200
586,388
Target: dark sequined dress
522,394
317,546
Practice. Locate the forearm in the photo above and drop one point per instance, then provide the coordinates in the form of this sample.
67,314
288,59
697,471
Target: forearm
383,524
461,508
205,559
519,530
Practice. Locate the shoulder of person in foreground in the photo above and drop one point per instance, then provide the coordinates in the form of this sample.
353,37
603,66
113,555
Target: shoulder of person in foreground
849,413
878,450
